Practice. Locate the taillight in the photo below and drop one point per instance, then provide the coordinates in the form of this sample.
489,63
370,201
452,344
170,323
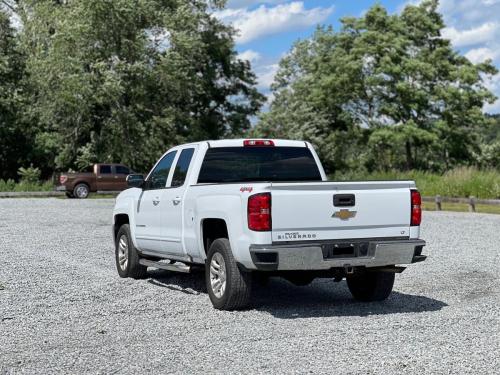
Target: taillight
259,212
258,142
416,208
63,179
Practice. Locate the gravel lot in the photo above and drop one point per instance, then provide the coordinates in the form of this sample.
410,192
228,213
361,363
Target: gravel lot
63,308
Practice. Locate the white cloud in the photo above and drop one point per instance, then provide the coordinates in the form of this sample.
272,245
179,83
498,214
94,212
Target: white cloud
493,108
481,34
474,28
493,85
265,76
250,55
265,21
479,55
248,3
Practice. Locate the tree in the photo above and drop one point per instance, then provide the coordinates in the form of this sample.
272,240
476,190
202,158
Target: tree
14,143
124,80
489,154
391,79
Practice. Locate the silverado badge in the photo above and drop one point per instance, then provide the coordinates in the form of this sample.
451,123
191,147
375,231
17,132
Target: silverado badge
344,214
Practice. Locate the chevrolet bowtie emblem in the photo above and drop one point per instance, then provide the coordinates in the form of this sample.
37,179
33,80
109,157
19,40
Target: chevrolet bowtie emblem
344,214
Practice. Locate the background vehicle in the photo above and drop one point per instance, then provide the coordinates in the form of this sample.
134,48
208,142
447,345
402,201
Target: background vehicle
250,209
99,177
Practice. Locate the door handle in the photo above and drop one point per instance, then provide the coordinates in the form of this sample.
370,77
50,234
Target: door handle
176,200
156,201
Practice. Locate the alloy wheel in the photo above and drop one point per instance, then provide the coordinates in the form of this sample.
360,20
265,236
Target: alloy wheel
218,275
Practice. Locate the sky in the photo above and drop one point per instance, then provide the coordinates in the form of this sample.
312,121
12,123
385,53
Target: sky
268,29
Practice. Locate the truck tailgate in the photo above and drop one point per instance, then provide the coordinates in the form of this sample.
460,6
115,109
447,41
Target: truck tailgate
306,211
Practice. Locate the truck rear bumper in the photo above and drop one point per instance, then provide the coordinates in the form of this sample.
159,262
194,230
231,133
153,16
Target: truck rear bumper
334,254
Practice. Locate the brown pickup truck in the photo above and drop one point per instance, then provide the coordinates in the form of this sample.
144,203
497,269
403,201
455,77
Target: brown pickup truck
100,177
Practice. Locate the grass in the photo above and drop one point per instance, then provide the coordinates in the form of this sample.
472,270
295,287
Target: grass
460,182
93,196
12,186
462,207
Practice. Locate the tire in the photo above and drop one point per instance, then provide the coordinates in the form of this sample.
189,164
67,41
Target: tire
371,286
69,195
126,257
81,191
233,293
300,279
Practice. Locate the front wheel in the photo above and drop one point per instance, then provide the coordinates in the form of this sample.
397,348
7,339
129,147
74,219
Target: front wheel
371,286
126,257
228,287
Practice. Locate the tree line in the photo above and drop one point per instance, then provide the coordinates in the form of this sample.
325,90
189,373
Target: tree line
123,80
386,92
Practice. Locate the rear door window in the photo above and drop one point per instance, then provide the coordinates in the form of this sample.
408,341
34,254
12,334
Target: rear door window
105,169
182,167
120,169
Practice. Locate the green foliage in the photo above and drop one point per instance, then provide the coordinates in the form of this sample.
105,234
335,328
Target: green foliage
29,175
11,185
393,81
15,139
122,81
459,182
7,185
492,131
489,156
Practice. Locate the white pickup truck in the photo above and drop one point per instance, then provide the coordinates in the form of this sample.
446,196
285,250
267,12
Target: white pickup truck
250,209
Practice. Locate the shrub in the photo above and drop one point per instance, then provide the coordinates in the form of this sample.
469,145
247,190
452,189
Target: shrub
29,175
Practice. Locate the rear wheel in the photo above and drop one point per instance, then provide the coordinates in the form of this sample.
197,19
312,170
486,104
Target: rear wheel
81,191
126,257
228,287
371,286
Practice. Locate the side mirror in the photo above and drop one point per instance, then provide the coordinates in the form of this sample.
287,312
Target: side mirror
135,180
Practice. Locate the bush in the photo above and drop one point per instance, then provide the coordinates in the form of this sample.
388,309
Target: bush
8,185
29,175
11,185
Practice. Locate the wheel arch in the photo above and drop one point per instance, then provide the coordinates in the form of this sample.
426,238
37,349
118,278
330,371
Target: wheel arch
211,229
124,211
78,182
119,220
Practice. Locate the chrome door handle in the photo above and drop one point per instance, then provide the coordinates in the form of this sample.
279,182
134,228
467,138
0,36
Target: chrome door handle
156,201
176,200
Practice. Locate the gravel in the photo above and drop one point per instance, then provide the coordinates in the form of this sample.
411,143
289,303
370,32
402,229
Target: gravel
63,308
